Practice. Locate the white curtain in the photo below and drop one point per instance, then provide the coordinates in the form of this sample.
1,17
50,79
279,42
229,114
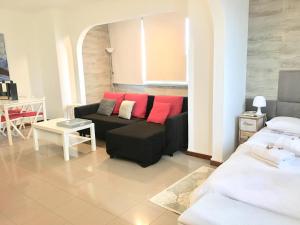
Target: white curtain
165,47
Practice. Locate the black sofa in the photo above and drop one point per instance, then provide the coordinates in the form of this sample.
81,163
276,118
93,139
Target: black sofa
135,139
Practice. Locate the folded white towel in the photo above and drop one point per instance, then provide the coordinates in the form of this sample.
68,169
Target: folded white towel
289,143
274,156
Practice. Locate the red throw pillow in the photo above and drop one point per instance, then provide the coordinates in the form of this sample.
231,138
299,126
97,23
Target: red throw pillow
141,100
119,97
175,102
159,112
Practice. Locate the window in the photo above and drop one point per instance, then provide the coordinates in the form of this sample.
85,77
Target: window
151,51
163,37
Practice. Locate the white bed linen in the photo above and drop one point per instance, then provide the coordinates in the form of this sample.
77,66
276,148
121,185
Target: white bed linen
251,181
215,209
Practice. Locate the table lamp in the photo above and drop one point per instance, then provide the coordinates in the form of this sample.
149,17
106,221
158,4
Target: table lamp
259,102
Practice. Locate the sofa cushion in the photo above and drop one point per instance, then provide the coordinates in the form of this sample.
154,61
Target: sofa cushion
119,97
175,101
106,107
141,100
106,123
139,130
159,112
126,109
140,142
114,119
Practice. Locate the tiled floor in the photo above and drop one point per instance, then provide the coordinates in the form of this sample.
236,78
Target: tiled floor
40,188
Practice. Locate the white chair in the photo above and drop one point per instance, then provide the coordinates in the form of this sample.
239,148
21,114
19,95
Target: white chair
15,119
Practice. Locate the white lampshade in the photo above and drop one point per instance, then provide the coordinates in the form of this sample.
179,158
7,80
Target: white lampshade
259,101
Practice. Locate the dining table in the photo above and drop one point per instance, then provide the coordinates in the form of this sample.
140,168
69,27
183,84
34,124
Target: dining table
34,103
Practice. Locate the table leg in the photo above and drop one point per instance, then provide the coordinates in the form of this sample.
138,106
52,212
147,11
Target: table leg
35,139
44,110
93,139
8,128
66,147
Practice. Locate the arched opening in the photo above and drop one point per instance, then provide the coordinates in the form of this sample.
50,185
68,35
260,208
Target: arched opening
96,63
94,59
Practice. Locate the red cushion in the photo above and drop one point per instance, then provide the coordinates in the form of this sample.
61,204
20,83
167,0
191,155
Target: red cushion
175,102
30,114
159,112
141,100
11,117
119,97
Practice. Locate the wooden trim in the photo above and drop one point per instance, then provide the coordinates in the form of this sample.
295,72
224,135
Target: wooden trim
198,155
215,163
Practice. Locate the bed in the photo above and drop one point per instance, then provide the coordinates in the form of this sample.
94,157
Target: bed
247,191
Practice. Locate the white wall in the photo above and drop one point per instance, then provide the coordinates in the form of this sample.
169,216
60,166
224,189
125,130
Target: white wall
229,83
44,48
17,29
48,68
105,12
31,50
200,77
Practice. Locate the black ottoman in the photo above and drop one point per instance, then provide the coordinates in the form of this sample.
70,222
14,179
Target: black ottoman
140,142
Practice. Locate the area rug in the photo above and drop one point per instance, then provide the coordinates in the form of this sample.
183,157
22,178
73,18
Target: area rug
176,198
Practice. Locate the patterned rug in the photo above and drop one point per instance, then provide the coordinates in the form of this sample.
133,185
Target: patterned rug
176,198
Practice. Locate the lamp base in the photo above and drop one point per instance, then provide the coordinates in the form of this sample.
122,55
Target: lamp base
258,113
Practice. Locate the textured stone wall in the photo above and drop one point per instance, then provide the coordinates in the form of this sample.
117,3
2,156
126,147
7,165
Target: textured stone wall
274,44
96,63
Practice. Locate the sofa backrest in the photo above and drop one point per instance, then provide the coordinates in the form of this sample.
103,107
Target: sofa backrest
151,100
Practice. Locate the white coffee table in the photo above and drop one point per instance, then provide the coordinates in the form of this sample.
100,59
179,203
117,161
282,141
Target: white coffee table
48,130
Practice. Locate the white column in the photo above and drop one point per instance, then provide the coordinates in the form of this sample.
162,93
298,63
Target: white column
230,68
200,77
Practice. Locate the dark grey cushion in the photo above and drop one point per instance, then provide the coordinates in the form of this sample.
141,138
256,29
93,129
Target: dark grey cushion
106,107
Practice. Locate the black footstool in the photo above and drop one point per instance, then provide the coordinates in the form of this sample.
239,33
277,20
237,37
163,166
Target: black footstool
140,142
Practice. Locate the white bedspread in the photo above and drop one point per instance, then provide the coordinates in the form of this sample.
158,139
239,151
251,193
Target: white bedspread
249,180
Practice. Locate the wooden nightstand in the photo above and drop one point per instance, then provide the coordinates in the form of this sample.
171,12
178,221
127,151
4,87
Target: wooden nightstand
249,125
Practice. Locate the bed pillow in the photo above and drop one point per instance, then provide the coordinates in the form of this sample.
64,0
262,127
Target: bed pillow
174,101
106,107
141,100
285,124
159,113
118,97
126,109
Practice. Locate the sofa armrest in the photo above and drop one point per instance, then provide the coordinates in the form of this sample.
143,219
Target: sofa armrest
176,133
84,110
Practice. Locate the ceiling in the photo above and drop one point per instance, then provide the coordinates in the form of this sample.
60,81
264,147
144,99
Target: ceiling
37,5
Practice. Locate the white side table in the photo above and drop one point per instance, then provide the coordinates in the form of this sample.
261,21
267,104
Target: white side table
249,125
48,130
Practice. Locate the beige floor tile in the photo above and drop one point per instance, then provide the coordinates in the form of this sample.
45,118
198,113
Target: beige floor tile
10,198
24,212
46,194
72,208
167,218
143,214
93,217
41,188
67,175
5,221
117,204
46,218
118,221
